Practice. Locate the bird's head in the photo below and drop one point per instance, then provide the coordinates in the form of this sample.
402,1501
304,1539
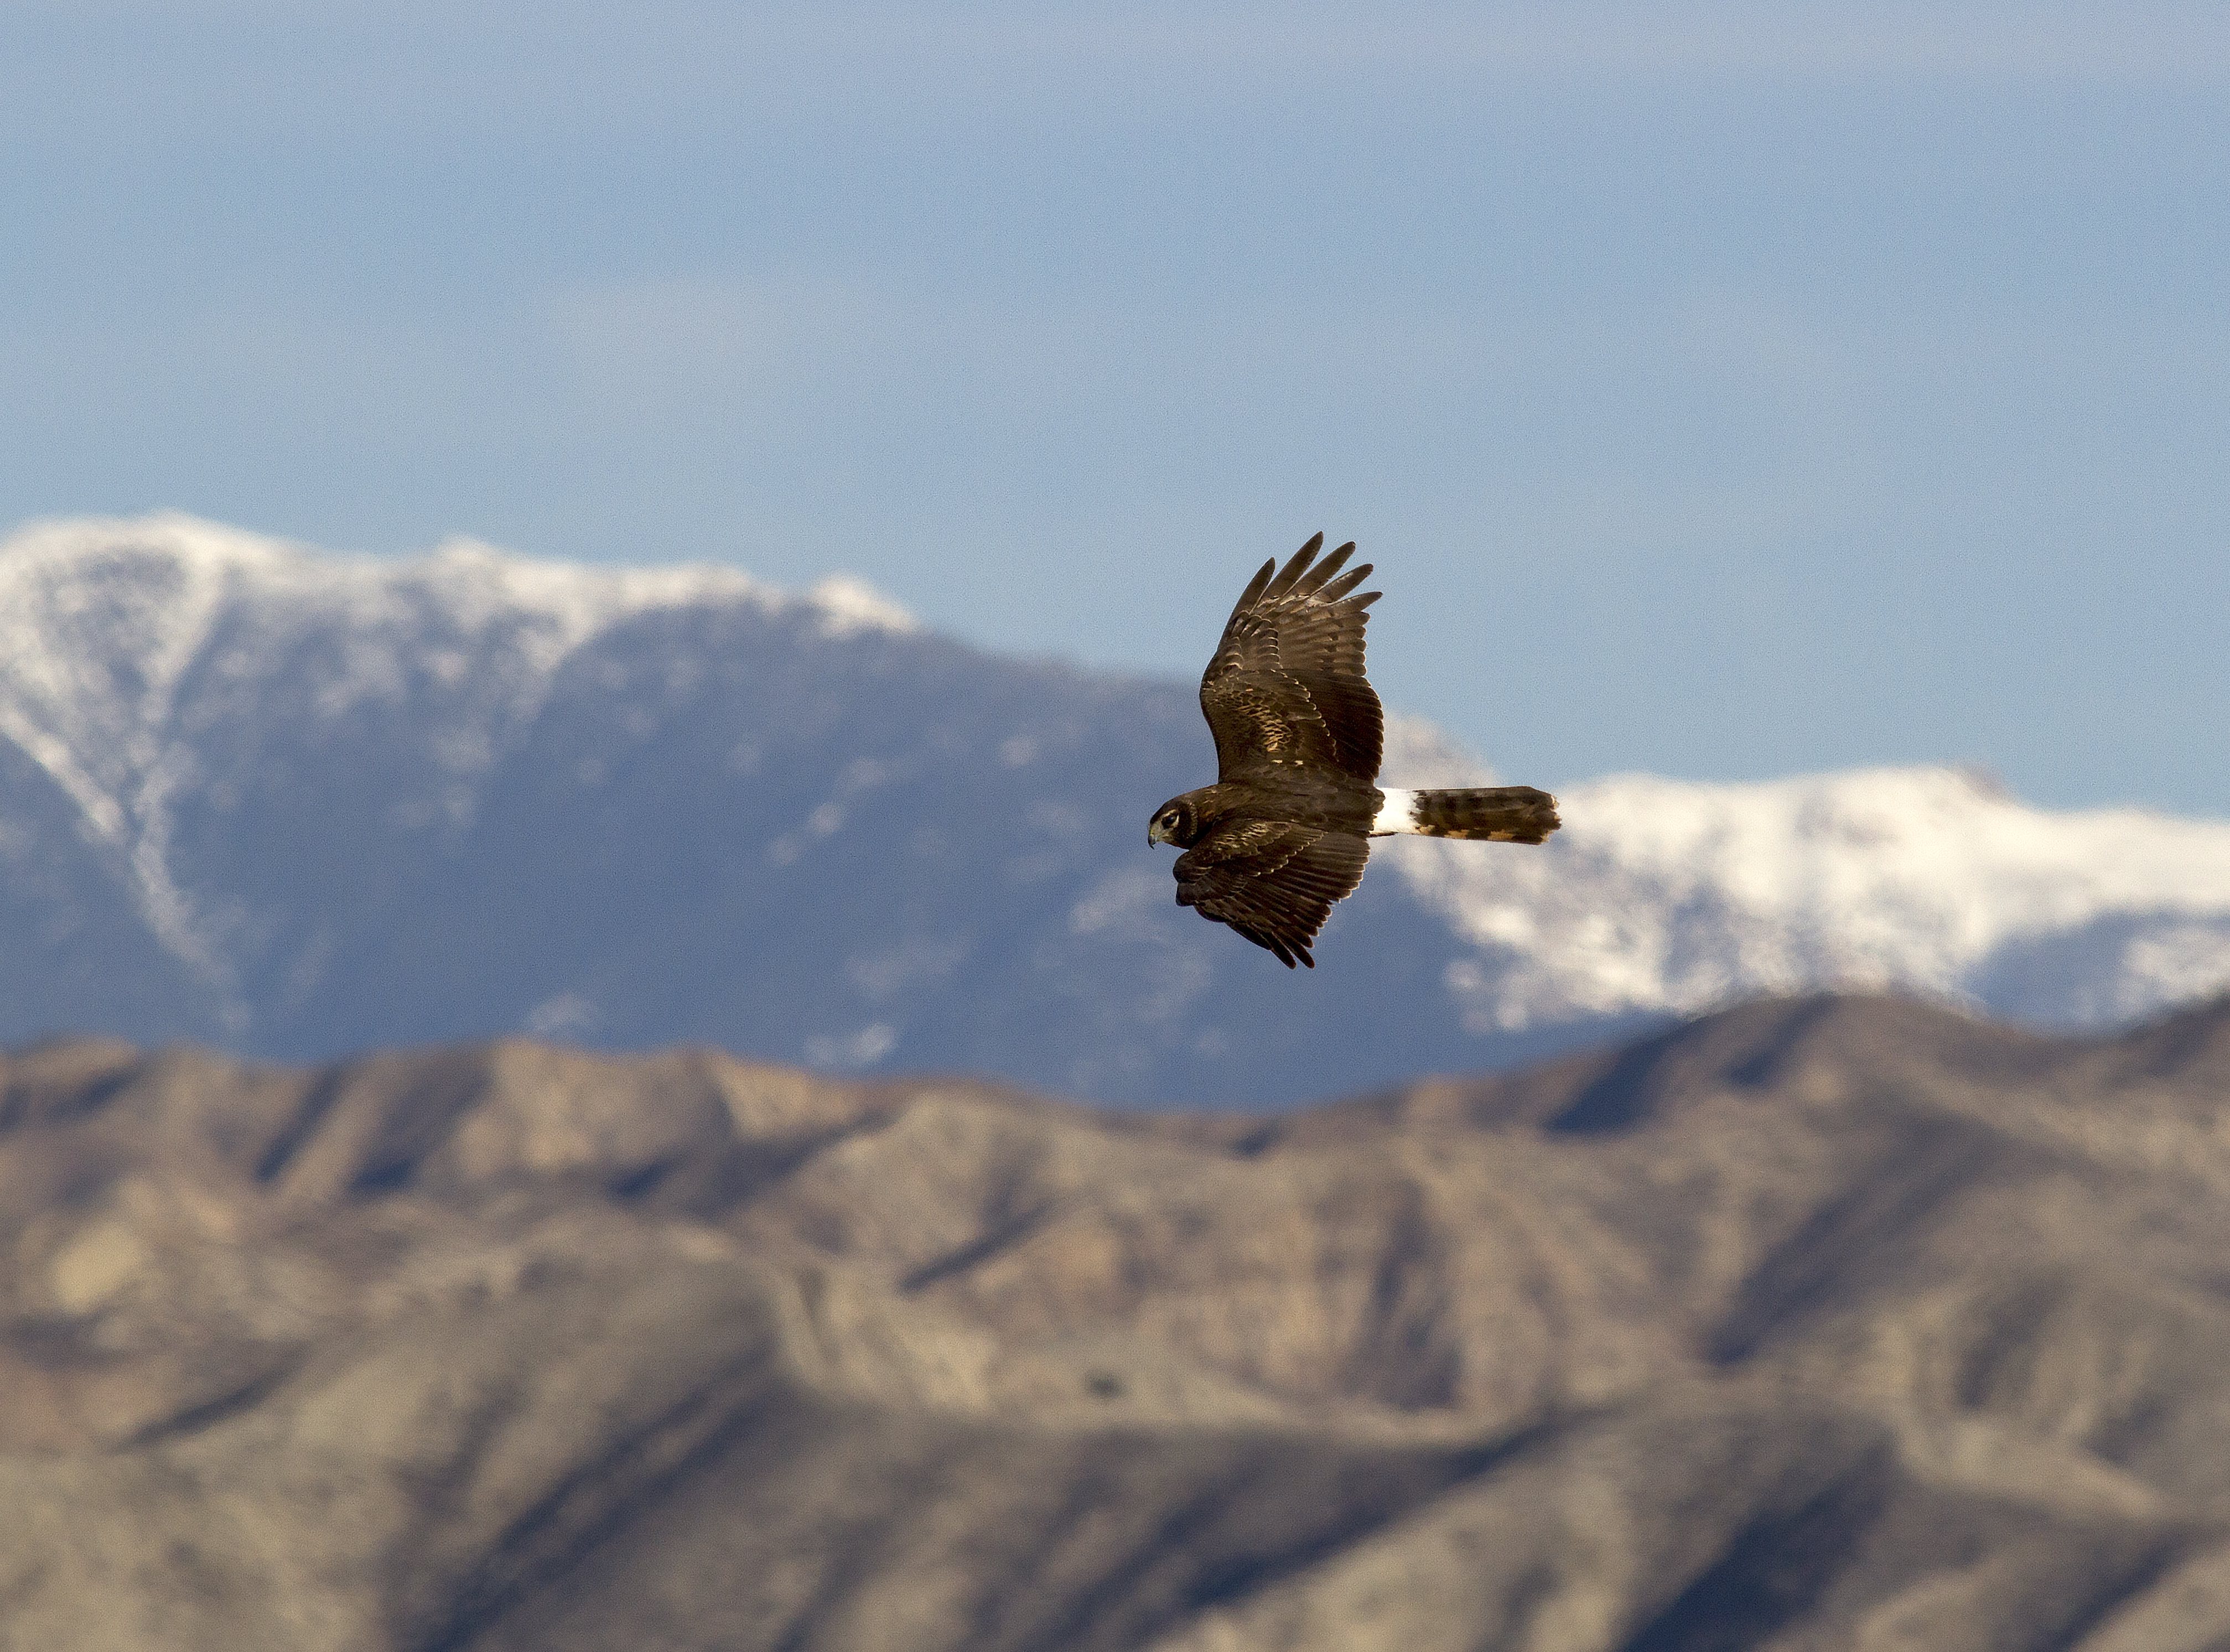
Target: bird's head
1176,821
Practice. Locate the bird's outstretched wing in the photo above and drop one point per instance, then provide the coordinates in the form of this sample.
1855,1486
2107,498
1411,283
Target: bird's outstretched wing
1271,880
1286,689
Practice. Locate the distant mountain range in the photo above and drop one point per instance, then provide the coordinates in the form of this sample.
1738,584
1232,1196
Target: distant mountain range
295,805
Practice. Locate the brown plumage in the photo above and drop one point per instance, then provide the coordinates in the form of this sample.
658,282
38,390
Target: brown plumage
1298,734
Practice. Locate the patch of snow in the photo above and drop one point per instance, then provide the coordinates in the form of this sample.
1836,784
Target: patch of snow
1662,895
563,1014
2173,964
849,605
852,1050
103,620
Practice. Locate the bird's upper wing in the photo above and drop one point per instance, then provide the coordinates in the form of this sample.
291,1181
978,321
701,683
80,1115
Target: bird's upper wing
1273,881
1286,689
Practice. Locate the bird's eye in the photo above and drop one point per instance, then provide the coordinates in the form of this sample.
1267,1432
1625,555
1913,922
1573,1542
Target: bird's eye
1169,821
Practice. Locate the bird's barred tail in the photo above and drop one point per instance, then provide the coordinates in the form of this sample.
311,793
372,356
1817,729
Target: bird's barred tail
1485,814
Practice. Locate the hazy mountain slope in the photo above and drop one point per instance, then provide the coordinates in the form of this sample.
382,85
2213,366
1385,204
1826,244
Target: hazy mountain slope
1930,881
1820,1322
296,805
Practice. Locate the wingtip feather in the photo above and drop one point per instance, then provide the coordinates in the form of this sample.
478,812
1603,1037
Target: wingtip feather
1296,565
1255,586
1339,588
1321,575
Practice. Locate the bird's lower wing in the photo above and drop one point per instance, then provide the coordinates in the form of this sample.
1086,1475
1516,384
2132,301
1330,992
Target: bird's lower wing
1272,881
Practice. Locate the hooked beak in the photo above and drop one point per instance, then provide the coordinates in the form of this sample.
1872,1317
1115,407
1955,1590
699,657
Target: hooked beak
1155,834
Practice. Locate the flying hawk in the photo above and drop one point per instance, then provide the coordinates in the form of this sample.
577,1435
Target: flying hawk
1281,834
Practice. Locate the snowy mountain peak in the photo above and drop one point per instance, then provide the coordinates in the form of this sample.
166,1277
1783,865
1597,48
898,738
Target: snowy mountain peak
850,604
301,804
100,619
106,622
477,583
1927,880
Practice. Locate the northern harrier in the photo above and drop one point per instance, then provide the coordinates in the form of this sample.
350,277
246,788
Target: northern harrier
1280,835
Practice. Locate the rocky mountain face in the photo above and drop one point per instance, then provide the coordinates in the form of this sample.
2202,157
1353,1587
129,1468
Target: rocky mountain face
1817,1322
294,805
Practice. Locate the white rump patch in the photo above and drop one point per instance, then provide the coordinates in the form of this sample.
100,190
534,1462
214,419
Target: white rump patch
1397,814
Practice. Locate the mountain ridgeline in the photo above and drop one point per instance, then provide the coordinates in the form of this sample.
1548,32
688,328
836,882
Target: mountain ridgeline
293,805
1823,1322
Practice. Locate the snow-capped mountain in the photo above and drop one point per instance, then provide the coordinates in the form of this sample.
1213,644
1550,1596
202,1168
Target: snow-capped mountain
1930,881
296,804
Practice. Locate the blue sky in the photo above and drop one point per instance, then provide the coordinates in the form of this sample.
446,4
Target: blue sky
1722,390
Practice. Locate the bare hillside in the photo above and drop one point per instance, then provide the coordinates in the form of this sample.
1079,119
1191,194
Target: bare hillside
1817,1323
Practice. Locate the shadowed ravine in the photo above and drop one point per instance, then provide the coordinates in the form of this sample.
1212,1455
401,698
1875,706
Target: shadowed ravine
1814,1323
